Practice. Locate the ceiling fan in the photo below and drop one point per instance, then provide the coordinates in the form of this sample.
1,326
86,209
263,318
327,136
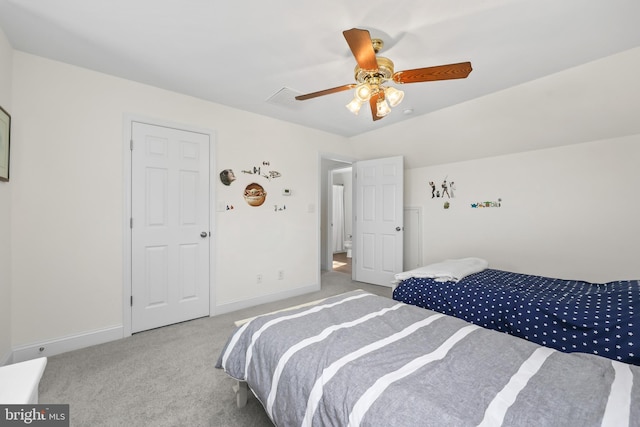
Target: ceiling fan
373,72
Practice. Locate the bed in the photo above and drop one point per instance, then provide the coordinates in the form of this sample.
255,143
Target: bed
568,315
358,359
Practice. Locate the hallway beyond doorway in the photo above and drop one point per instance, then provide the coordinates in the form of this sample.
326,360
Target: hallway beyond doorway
341,263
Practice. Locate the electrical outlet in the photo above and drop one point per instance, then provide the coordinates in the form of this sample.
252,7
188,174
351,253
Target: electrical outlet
280,274
259,278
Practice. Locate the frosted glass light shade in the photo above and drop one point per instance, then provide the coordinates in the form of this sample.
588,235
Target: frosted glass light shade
354,106
382,108
363,92
394,96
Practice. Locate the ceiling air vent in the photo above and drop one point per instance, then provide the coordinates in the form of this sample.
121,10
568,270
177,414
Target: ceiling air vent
286,97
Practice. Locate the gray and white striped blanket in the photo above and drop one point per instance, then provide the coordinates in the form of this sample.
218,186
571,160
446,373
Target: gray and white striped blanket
358,359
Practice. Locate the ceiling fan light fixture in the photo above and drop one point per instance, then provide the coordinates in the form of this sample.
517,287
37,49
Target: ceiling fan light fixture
354,106
394,96
372,73
363,92
382,108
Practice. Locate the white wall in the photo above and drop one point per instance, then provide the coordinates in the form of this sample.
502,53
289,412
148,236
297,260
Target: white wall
594,101
569,212
67,198
65,206
6,62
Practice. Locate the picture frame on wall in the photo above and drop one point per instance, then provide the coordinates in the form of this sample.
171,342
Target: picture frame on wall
5,142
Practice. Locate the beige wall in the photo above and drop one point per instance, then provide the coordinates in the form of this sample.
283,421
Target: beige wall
567,212
68,198
6,61
582,104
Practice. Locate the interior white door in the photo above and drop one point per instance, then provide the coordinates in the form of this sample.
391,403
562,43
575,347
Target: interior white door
170,226
378,225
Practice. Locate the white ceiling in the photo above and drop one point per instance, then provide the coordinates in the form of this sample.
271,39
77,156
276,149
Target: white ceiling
242,53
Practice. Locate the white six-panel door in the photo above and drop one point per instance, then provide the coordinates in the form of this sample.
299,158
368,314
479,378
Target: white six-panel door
378,225
170,226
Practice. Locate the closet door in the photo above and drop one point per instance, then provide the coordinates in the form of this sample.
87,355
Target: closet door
170,226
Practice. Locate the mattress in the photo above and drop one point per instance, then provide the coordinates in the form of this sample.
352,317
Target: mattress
567,315
359,359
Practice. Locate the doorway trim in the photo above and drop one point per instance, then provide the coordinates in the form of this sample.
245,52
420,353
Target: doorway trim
324,201
128,120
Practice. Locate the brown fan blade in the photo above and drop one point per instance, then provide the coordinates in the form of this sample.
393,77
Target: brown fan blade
428,74
373,103
362,48
325,92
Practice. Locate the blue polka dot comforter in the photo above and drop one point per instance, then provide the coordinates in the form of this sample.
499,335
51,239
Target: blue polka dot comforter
567,315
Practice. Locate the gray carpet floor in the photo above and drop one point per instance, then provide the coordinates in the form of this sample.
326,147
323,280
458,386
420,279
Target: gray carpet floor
166,376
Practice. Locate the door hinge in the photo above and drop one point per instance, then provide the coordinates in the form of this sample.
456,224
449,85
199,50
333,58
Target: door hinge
131,144
131,222
131,301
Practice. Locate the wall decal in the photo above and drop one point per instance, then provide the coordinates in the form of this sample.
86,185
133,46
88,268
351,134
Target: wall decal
257,170
280,208
272,174
227,176
488,204
447,189
433,190
254,194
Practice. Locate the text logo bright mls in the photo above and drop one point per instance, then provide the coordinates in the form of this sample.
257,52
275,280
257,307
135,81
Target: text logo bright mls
34,415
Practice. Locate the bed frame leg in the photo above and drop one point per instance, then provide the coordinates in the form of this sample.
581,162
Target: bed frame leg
241,389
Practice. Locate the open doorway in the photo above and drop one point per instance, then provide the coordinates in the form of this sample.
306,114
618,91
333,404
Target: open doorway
342,167
341,219
377,243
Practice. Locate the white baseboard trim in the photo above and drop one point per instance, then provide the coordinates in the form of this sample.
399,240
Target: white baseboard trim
7,359
263,299
64,344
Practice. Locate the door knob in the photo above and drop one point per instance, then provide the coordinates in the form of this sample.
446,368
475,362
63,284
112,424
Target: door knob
398,228
203,234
